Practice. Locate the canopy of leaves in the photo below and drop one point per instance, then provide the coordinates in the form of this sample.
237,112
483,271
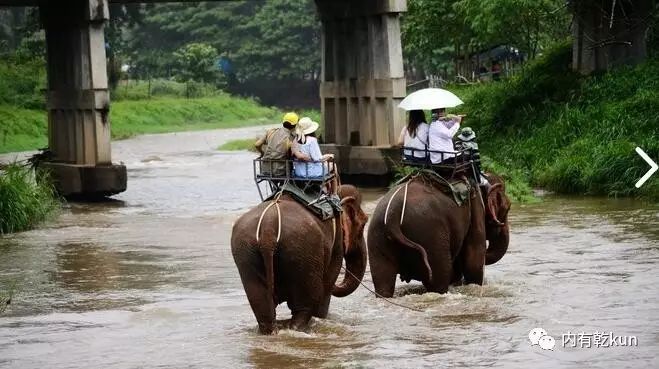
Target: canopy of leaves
275,39
469,26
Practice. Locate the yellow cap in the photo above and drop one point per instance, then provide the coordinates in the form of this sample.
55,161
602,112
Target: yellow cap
291,118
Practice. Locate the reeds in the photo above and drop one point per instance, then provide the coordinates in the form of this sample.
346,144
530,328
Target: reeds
26,199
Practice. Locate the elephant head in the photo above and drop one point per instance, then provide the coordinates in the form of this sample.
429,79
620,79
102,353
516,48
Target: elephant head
353,220
497,228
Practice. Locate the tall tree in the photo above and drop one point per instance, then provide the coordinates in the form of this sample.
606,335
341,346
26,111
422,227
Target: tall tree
610,32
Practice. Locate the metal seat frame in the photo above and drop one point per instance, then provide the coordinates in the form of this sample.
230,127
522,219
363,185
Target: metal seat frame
461,163
275,182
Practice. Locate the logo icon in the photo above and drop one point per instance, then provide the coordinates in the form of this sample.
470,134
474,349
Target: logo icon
539,336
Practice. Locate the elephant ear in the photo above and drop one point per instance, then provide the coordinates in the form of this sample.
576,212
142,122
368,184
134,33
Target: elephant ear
498,204
353,220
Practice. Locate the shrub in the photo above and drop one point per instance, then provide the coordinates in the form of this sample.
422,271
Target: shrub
25,200
570,133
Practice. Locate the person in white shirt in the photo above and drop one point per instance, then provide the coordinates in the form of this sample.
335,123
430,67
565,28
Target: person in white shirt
441,132
415,136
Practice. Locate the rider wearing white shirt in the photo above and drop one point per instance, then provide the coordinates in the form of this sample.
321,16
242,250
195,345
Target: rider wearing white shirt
441,132
415,136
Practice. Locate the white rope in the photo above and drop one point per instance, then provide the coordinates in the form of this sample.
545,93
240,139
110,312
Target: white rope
258,227
333,230
402,213
386,212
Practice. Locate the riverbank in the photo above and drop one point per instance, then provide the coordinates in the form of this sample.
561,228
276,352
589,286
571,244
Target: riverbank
26,129
568,133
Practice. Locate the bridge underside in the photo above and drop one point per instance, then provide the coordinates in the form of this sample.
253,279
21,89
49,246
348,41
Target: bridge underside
362,83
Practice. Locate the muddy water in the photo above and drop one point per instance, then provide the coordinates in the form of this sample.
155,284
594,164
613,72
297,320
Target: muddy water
148,281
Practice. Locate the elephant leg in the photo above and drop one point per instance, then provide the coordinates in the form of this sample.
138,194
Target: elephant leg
474,262
300,320
384,274
323,308
257,294
252,274
458,270
442,267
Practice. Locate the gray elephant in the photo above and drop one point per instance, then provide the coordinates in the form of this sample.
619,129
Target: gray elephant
436,241
284,253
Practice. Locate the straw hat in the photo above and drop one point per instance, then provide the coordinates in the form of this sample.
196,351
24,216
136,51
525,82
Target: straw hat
307,126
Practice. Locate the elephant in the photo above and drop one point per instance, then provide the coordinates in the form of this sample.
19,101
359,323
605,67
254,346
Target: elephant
284,253
429,238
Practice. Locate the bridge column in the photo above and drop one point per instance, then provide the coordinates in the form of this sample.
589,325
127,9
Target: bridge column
362,83
78,99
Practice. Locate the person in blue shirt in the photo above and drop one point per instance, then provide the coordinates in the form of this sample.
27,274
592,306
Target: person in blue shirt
307,145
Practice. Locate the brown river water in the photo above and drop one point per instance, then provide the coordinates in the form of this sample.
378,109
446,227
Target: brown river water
148,281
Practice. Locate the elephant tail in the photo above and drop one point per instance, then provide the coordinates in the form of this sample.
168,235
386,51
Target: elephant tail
268,256
396,234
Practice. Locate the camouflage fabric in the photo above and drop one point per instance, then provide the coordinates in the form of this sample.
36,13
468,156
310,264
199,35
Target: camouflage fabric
276,147
324,207
458,189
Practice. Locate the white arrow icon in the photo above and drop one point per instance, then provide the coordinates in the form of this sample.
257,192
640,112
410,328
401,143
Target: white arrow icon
653,167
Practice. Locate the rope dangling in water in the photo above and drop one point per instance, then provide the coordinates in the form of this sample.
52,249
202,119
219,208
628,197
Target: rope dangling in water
380,296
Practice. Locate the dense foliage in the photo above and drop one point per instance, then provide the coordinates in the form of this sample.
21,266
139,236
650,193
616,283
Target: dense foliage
471,26
23,129
570,133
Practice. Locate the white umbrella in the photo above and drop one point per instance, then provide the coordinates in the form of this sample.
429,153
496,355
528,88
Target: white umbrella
430,98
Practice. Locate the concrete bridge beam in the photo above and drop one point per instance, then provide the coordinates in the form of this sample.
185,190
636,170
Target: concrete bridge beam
78,100
362,83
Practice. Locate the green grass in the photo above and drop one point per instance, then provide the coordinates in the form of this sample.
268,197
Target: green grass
237,145
248,143
24,200
569,133
158,88
23,129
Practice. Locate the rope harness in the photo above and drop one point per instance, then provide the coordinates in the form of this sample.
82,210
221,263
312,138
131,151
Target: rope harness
274,202
402,213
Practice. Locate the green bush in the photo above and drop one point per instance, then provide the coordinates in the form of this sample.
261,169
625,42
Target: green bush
22,82
139,90
569,133
24,199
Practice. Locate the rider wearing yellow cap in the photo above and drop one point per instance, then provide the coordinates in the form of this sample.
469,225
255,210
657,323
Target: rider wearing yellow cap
276,145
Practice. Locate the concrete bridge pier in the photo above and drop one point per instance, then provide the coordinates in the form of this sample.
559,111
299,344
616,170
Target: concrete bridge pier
78,100
362,83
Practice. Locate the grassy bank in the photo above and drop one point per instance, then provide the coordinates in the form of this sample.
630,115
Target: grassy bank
569,133
25,129
25,201
248,143
237,145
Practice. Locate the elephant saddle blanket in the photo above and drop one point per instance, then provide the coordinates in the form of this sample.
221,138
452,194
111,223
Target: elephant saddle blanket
323,206
457,188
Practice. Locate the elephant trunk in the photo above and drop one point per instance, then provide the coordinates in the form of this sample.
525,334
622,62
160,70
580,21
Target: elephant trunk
498,243
355,269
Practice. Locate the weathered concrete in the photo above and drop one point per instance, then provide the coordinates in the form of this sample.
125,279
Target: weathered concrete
362,82
87,182
78,99
365,165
